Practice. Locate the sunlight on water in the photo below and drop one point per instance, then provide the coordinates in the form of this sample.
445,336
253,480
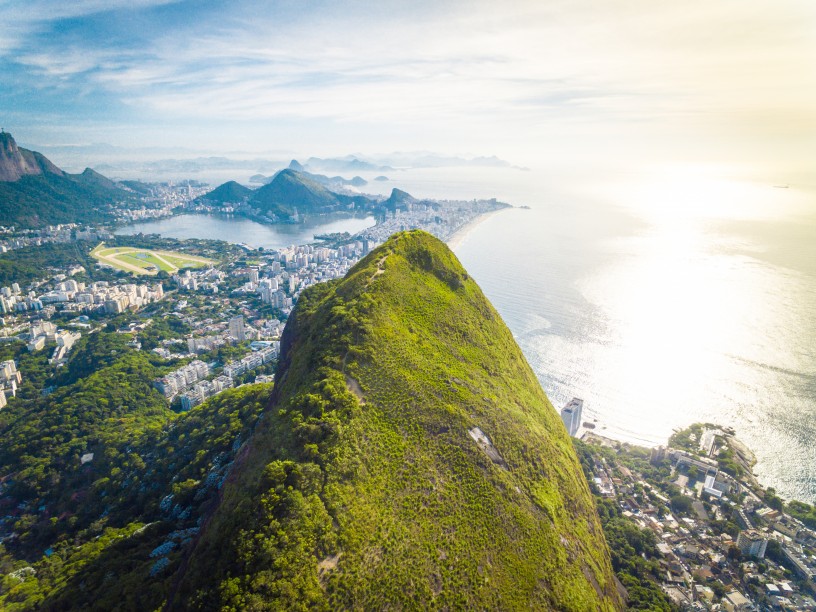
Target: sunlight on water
667,298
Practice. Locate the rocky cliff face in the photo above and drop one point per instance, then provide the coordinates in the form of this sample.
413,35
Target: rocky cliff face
16,162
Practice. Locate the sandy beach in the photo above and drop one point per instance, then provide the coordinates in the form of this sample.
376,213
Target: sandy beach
459,235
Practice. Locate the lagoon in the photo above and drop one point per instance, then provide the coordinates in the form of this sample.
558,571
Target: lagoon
244,231
661,300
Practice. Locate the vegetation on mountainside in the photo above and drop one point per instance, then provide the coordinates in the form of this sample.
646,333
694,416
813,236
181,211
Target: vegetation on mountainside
228,193
364,486
634,550
89,532
49,199
289,190
33,263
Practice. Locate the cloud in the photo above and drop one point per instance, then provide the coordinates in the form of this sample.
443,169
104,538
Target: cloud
41,11
461,72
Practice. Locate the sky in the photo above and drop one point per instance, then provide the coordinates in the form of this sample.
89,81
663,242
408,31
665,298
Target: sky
729,81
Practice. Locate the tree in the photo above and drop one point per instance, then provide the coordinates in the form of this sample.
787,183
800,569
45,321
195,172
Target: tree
773,500
680,504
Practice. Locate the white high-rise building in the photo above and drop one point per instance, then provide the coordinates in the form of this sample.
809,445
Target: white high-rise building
236,328
9,372
752,543
571,415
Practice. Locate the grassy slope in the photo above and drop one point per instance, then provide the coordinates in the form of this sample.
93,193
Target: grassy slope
389,502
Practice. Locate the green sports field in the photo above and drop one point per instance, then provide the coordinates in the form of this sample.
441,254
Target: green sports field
147,261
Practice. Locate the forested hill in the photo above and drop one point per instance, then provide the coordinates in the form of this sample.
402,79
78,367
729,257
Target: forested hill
410,459
34,192
100,474
407,458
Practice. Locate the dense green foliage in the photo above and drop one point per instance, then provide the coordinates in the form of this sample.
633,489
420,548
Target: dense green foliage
36,367
49,199
93,352
164,328
727,462
362,487
33,263
804,512
79,527
43,440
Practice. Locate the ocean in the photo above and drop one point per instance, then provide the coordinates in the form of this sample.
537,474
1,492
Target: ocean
663,301
661,297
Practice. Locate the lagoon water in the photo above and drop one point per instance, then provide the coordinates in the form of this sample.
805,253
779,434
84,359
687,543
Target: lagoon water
240,230
661,297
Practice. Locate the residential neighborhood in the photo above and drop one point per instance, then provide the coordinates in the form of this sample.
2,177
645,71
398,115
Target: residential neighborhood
723,542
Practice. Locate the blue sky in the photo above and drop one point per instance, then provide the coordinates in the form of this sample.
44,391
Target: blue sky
727,81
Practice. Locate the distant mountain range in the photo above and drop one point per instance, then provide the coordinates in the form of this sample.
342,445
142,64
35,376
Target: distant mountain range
34,192
153,164
351,164
335,182
291,191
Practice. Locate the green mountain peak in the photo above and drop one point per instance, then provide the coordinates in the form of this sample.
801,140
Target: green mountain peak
408,459
291,190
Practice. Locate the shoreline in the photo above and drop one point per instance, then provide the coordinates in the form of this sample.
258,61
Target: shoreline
454,241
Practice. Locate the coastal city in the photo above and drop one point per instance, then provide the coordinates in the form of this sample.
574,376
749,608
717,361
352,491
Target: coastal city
55,311
417,306
688,519
710,535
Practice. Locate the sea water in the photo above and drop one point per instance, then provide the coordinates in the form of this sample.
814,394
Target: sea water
667,300
661,297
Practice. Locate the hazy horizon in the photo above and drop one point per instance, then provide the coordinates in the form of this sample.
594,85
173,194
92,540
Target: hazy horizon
632,82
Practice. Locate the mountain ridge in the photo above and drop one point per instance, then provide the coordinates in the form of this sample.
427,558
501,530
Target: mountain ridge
17,162
410,457
291,190
230,192
35,192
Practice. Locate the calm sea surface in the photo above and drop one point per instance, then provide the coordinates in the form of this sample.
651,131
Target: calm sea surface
660,298
666,304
